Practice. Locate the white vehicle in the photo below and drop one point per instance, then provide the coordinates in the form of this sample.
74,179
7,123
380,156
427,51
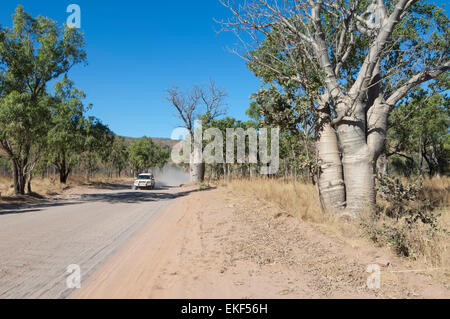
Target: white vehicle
144,181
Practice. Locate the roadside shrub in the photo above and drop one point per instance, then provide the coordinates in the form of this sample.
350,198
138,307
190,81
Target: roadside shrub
405,220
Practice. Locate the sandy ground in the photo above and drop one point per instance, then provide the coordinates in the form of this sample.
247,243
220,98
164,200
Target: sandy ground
220,244
38,241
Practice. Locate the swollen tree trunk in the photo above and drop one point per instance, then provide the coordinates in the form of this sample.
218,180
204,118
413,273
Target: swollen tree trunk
196,164
196,167
197,172
357,162
331,184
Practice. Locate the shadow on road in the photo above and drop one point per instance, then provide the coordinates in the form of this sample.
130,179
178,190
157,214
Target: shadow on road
121,197
135,196
110,186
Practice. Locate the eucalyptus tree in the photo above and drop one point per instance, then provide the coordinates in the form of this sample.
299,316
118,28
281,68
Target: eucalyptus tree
68,128
207,102
119,155
141,154
23,128
284,107
356,60
223,167
33,52
419,132
97,145
161,156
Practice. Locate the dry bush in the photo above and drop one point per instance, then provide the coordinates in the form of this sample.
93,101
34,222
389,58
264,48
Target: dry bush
412,218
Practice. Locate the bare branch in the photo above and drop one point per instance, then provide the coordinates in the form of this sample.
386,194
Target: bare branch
417,79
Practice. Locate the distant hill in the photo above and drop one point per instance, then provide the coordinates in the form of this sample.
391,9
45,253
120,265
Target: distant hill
163,141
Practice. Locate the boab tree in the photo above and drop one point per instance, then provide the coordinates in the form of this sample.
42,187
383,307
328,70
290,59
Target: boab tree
207,102
366,57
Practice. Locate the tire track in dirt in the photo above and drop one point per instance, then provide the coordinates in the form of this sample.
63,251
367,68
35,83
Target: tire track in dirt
220,244
39,242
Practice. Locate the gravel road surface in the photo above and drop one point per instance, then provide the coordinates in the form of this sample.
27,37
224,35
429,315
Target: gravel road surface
39,242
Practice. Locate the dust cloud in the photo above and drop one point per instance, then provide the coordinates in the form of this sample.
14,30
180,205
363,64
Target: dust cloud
170,175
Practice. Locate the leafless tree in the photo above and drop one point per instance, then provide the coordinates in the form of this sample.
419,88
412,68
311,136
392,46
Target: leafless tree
206,102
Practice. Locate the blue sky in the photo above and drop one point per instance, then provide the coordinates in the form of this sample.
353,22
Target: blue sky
138,49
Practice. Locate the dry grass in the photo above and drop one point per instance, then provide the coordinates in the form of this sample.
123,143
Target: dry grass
437,190
427,248
299,199
425,243
51,186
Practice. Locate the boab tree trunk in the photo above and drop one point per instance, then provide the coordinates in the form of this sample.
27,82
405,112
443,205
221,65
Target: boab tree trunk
357,162
197,172
196,165
331,183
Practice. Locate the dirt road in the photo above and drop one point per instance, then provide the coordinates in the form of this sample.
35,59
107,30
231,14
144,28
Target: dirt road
221,244
39,242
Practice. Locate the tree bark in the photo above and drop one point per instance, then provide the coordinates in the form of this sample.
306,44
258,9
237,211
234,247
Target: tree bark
357,162
331,184
197,172
30,177
196,166
16,177
22,182
64,171
63,177
19,179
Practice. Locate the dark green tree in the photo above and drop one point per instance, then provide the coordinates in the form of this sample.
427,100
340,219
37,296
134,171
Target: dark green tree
142,154
119,155
33,52
67,133
97,146
419,133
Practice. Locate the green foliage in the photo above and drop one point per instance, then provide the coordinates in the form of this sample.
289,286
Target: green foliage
32,53
404,201
119,154
419,130
293,79
97,145
145,154
23,123
162,155
204,186
68,128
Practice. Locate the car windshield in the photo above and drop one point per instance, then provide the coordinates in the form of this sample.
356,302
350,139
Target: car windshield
145,177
